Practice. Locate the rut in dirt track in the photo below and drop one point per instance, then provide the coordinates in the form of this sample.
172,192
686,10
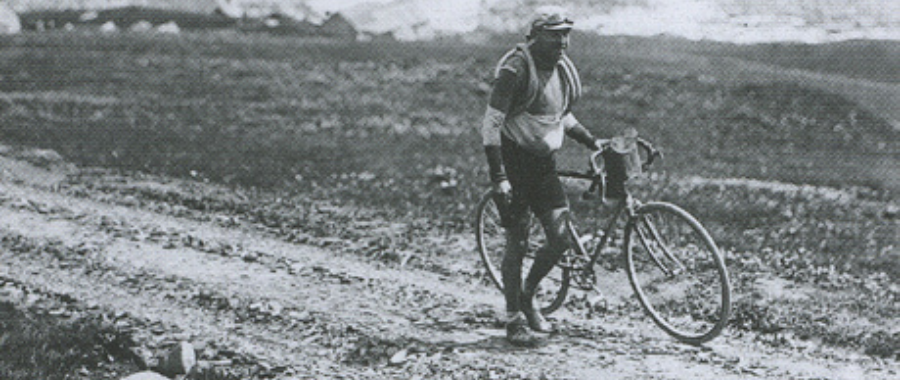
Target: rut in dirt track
314,312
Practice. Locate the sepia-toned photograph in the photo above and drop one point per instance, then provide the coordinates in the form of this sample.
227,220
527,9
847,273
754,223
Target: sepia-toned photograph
449,189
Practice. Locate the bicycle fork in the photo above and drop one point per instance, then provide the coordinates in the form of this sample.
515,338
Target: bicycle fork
654,244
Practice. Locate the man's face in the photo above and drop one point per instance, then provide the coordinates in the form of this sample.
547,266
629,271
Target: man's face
549,44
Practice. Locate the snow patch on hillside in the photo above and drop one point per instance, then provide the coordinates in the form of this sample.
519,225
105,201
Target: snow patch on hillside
740,21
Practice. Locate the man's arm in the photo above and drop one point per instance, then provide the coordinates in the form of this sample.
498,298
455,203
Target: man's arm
494,117
578,132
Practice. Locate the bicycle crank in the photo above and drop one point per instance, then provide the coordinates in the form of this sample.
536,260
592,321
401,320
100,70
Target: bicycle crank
572,260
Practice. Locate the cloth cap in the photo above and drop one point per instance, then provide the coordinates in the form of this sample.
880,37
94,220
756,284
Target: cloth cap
551,17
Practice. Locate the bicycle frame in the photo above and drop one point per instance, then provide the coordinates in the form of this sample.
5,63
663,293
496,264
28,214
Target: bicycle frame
627,209
628,205
660,242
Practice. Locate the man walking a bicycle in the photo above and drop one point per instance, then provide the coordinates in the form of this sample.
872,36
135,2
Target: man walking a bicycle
527,116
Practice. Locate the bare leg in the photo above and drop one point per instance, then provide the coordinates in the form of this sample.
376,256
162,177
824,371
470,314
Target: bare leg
517,331
511,267
557,242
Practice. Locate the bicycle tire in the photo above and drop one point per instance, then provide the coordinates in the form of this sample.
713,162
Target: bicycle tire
491,242
671,239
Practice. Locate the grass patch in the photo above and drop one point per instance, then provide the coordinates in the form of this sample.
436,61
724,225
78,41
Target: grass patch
38,346
841,58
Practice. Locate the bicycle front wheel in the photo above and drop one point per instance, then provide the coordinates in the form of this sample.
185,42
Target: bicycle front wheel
677,273
491,239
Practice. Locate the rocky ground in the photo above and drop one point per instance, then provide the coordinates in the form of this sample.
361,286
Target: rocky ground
252,300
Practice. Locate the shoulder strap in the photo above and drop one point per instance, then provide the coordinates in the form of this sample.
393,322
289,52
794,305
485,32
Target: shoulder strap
570,77
572,81
521,103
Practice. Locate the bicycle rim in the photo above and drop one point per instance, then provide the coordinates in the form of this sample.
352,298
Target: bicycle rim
491,240
678,273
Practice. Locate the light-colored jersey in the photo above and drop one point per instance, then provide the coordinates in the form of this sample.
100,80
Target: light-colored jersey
541,128
539,113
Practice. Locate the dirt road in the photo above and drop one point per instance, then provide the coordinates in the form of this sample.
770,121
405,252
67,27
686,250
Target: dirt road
303,308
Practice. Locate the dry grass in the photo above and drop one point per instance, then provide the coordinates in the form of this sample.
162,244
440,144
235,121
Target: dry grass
35,345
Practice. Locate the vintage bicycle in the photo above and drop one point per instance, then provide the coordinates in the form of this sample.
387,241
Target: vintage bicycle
673,264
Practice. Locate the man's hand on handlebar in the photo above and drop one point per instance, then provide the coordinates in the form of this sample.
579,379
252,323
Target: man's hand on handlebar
652,154
504,189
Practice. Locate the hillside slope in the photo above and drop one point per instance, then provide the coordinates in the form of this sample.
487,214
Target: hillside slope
135,163
249,295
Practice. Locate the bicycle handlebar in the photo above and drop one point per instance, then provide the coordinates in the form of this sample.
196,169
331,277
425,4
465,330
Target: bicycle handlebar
596,174
652,154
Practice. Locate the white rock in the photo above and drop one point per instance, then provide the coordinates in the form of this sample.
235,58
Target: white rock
274,308
88,16
143,357
250,256
11,294
180,360
10,23
296,268
108,27
169,27
141,26
399,357
146,375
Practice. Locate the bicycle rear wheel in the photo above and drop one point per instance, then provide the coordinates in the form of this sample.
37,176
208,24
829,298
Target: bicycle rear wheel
491,239
677,273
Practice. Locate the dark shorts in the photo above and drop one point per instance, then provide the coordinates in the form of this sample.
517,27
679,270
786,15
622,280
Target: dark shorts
535,184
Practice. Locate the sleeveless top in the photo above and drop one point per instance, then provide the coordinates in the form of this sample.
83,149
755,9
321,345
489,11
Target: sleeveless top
540,110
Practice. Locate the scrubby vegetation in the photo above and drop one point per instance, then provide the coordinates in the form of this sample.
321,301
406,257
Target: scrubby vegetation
38,344
391,126
839,58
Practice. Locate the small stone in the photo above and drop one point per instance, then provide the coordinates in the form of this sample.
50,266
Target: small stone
221,363
11,294
249,256
146,375
129,201
180,360
31,299
274,308
891,212
399,357
142,357
301,316
296,268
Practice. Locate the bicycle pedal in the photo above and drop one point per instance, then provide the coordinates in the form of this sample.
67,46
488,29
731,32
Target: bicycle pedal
572,261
